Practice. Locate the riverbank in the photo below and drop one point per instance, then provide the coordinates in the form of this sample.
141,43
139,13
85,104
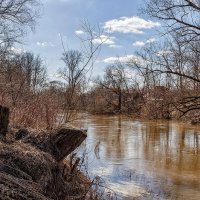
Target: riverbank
192,119
32,165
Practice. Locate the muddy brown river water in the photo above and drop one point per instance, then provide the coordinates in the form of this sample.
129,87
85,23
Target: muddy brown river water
144,159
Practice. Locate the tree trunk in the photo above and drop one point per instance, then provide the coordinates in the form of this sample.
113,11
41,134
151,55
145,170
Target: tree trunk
4,120
59,142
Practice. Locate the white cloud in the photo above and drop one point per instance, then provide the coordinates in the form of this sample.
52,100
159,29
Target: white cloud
142,43
151,40
133,24
123,59
45,44
127,72
138,43
115,46
163,53
17,50
79,32
104,39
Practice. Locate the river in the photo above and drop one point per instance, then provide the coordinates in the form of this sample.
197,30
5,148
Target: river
140,159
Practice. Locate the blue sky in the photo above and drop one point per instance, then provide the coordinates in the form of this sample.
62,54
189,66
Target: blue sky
129,31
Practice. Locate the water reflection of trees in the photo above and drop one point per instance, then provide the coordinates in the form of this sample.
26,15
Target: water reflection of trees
107,132
170,145
114,140
169,150
166,145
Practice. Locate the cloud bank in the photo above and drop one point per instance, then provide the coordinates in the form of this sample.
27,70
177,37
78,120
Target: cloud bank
143,43
133,25
122,59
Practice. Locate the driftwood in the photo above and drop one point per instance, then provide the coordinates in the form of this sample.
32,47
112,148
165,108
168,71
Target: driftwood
31,167
59,143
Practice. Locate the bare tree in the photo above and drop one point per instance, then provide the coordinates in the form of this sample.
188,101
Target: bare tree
74,75
15,17
34,70
176,67
78,68
179,16
22,75
115,81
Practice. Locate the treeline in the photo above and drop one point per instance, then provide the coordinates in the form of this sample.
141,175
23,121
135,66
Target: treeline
33,99
23,78
162,81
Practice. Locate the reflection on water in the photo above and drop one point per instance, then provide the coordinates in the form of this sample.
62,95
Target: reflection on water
144,159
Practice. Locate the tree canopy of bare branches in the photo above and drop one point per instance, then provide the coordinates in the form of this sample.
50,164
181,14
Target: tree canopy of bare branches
179,16
15,17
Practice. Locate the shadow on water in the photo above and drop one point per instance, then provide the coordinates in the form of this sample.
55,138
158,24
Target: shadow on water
144,159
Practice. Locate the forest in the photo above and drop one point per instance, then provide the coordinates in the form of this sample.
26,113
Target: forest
160,82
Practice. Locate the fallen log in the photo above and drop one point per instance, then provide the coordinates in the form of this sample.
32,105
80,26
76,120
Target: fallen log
59,143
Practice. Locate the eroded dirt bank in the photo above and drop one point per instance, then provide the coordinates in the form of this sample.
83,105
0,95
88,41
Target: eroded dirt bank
32,167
